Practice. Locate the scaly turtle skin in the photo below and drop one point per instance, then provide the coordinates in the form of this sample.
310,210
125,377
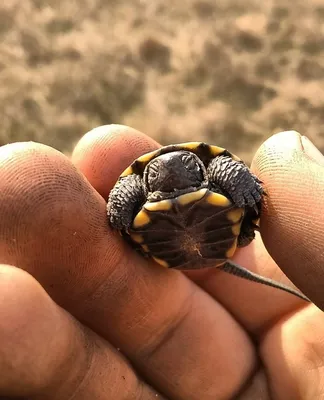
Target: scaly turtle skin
189,206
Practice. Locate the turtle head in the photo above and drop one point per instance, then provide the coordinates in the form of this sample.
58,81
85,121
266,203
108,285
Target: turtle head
177,170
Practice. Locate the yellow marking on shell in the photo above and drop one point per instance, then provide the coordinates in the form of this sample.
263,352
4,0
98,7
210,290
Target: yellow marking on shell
217,199
161,262
136,237
230,252
141,219
236,229
147,157
235,215
191,197
128,171
162,205
190,145
215,150
235,157
145,248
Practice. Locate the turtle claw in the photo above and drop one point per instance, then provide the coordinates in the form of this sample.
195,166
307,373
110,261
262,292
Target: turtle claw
258,192
250,200
247,193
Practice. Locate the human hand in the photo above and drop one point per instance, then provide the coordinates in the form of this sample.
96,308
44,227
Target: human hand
212,336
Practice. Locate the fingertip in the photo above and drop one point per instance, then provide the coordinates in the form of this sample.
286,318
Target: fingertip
285,140
291,222
282,150
50,216
105,151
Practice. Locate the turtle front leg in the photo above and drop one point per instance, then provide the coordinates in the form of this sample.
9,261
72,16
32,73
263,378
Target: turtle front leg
124,201
235,179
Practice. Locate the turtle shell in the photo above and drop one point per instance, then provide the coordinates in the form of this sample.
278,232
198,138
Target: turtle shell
199,228
203,150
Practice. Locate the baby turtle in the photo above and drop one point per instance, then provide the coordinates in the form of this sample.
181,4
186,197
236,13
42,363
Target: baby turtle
189,206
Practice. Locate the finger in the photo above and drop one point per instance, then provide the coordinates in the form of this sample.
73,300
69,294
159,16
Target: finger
47,354
102,153
293,353
292,225
56,228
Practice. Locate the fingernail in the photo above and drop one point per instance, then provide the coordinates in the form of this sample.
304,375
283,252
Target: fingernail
289,140
312,151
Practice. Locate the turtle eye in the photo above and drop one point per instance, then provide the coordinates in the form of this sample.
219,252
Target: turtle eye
190,163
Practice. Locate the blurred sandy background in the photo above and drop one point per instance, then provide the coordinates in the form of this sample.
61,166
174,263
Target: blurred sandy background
229,72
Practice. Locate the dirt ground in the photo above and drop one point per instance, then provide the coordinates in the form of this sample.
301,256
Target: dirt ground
228,72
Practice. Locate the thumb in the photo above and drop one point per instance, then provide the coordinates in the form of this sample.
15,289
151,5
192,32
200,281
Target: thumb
292,223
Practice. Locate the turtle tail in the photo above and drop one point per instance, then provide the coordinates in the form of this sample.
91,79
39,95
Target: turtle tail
235,269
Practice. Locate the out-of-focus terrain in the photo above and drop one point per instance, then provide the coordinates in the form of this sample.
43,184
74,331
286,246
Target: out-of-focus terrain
229,72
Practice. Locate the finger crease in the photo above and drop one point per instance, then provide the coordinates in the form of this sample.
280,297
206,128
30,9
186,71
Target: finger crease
86,371
171,329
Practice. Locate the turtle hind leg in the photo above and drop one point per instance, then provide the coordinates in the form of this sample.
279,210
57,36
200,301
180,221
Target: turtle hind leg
235,179
241,272
125,199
